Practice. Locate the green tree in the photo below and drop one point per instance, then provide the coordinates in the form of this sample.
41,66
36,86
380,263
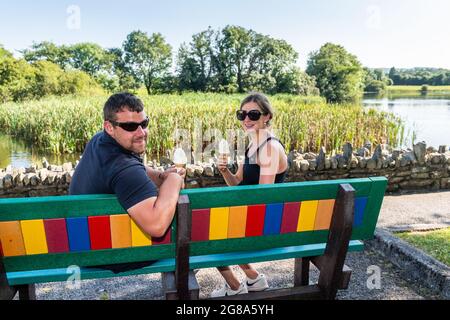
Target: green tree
47,79
16,78
147,58
47,51
339,74
195,62
235,59
90,58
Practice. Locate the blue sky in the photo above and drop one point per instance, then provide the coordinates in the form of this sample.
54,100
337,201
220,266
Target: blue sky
381,33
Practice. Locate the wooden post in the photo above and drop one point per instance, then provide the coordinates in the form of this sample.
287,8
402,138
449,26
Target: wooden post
6,292
338,241
301,272
182,248
27,292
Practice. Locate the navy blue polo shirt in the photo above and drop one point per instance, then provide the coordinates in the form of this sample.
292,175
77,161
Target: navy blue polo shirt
108,168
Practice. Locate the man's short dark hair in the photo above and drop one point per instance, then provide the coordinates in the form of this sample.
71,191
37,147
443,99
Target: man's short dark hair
117,102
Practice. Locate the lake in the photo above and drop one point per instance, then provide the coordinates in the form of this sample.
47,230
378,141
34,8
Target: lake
427,116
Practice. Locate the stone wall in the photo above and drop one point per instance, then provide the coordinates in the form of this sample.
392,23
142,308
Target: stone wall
419,168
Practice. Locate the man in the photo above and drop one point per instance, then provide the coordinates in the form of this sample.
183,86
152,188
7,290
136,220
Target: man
111,164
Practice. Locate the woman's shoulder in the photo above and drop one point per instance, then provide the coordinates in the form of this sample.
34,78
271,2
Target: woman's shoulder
274,143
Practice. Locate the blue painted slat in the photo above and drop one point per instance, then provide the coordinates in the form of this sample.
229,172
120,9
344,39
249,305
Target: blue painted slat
360,206
78,232
272,221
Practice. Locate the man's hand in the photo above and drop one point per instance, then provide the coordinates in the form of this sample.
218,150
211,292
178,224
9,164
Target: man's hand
181,172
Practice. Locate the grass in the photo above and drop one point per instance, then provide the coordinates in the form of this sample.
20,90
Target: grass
435,243
417,88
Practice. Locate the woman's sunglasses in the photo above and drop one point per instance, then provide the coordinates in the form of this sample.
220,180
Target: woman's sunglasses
253,115
131,126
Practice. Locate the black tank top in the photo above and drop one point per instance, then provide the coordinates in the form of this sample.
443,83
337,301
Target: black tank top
252,169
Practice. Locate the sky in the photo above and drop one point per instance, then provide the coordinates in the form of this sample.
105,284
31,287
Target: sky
381,33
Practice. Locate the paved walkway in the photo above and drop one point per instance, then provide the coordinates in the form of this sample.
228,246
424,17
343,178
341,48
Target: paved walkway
397,210
406,210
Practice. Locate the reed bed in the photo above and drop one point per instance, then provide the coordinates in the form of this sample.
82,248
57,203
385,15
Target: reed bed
65,124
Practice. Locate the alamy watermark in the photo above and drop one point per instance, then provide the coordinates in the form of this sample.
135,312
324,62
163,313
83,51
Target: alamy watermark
374,279
73,21
74,280
373,21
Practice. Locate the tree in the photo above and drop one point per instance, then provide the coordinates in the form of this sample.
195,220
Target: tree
339,74
235,59
196,62
16,79
147,58
47,51
90,58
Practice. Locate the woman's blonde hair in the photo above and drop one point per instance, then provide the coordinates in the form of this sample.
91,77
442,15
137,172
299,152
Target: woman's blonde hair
263,103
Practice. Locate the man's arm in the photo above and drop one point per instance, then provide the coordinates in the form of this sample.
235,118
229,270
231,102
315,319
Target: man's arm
155,214
155,175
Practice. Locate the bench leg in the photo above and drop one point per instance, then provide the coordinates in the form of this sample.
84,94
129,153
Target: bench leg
333,259
301,272
170,289
6,292
27,292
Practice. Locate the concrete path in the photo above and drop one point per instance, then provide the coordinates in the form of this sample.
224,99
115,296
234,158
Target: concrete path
409,210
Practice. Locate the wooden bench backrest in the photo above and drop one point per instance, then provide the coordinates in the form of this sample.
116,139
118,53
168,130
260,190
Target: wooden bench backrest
88,230
243,218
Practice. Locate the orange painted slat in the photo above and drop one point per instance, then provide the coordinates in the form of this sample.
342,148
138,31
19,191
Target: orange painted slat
120,231
11,239
324,214
237,218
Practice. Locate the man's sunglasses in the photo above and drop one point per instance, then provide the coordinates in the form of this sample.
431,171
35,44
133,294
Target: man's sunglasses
253,115
131,126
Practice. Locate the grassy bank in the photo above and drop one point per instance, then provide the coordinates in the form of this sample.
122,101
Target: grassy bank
411,89
65,124
435,243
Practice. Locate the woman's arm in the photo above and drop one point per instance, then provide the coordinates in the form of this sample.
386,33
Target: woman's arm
271,159
231,179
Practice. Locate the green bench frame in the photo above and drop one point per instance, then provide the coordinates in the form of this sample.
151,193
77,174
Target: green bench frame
326,249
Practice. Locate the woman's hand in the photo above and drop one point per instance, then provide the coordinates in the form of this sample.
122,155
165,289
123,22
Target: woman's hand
222,163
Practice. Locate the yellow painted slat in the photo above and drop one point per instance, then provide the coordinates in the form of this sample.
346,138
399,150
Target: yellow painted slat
34,238
138,237
324,214
11,239
218,223
307,216
120,230
237,219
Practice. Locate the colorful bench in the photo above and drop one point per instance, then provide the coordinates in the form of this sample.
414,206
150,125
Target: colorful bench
314,222
42,238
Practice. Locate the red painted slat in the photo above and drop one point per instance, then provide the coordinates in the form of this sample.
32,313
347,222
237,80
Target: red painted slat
200,225
56,233
255,220
100,231
291,212
164,239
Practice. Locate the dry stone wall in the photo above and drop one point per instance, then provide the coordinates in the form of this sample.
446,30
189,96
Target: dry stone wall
419,168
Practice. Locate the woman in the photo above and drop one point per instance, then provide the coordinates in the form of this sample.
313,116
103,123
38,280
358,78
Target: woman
265,163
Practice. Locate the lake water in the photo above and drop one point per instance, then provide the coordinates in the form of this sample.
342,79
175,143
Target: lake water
427,116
